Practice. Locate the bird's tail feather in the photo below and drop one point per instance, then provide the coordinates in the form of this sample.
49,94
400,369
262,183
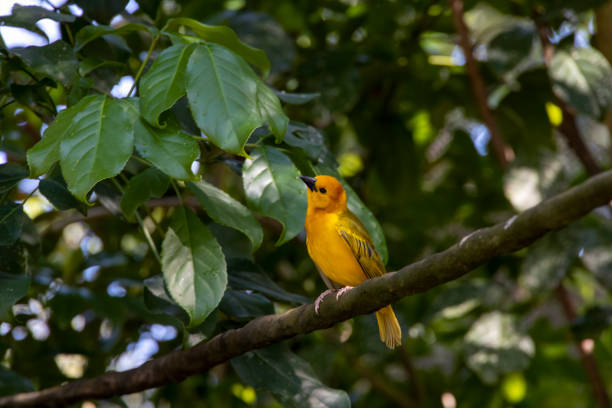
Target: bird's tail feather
388,327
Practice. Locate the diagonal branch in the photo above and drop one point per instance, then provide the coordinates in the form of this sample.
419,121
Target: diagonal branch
473,250
503,152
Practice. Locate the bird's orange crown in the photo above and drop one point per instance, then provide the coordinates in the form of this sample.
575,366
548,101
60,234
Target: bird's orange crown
325,193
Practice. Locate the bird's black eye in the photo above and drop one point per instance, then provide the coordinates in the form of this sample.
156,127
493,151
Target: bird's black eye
323,190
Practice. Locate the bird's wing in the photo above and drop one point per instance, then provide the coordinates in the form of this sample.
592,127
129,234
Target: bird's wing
357,238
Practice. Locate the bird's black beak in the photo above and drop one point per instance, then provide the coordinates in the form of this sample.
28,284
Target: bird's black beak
310,182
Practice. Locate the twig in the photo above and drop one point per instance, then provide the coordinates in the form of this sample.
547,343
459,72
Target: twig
503,152
144,63
474,250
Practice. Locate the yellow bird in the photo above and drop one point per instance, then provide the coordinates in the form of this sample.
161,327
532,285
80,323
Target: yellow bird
341,247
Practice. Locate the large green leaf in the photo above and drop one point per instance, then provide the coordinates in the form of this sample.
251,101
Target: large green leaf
12,288
10,175
193,266
583,78
222,93
149,183
56,60
226,211
99,142
170,149
164,82
288,377
362,212
12,219
224,36
273,188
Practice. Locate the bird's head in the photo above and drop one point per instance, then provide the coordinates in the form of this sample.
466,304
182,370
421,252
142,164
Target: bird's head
325,193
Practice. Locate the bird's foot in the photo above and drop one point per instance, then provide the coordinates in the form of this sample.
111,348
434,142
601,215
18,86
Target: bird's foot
343,291
320,299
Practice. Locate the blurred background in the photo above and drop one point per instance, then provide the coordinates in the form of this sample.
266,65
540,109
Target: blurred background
443,120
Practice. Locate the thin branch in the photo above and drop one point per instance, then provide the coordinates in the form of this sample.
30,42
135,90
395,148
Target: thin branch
473,250
569,127
586,356
503,152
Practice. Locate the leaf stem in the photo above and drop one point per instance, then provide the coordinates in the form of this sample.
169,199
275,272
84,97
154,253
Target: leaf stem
144,63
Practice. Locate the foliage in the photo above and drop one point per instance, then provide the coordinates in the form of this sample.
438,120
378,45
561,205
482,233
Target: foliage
135,223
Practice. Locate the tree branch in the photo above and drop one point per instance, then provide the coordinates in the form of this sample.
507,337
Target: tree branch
503,152
473,250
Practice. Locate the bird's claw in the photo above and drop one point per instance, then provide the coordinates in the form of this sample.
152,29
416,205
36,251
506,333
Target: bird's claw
320,299
343,291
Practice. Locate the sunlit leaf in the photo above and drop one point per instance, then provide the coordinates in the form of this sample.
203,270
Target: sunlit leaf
193,266
494,346
98,143
583,78
273,189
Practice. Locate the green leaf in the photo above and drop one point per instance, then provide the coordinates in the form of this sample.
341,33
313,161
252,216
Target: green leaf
11,383
495,347
12,288
224,36
296,98
245,304
164,82
222,93
224,210
54,188
289,378
170,149
362,212
273,189
193,266
89,33
271,111
12,219
27,16
10,175
99,142
307,138
56,60
583,78
149,183
246,275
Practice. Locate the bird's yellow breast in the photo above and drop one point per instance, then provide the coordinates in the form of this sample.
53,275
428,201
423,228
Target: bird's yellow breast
331,253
